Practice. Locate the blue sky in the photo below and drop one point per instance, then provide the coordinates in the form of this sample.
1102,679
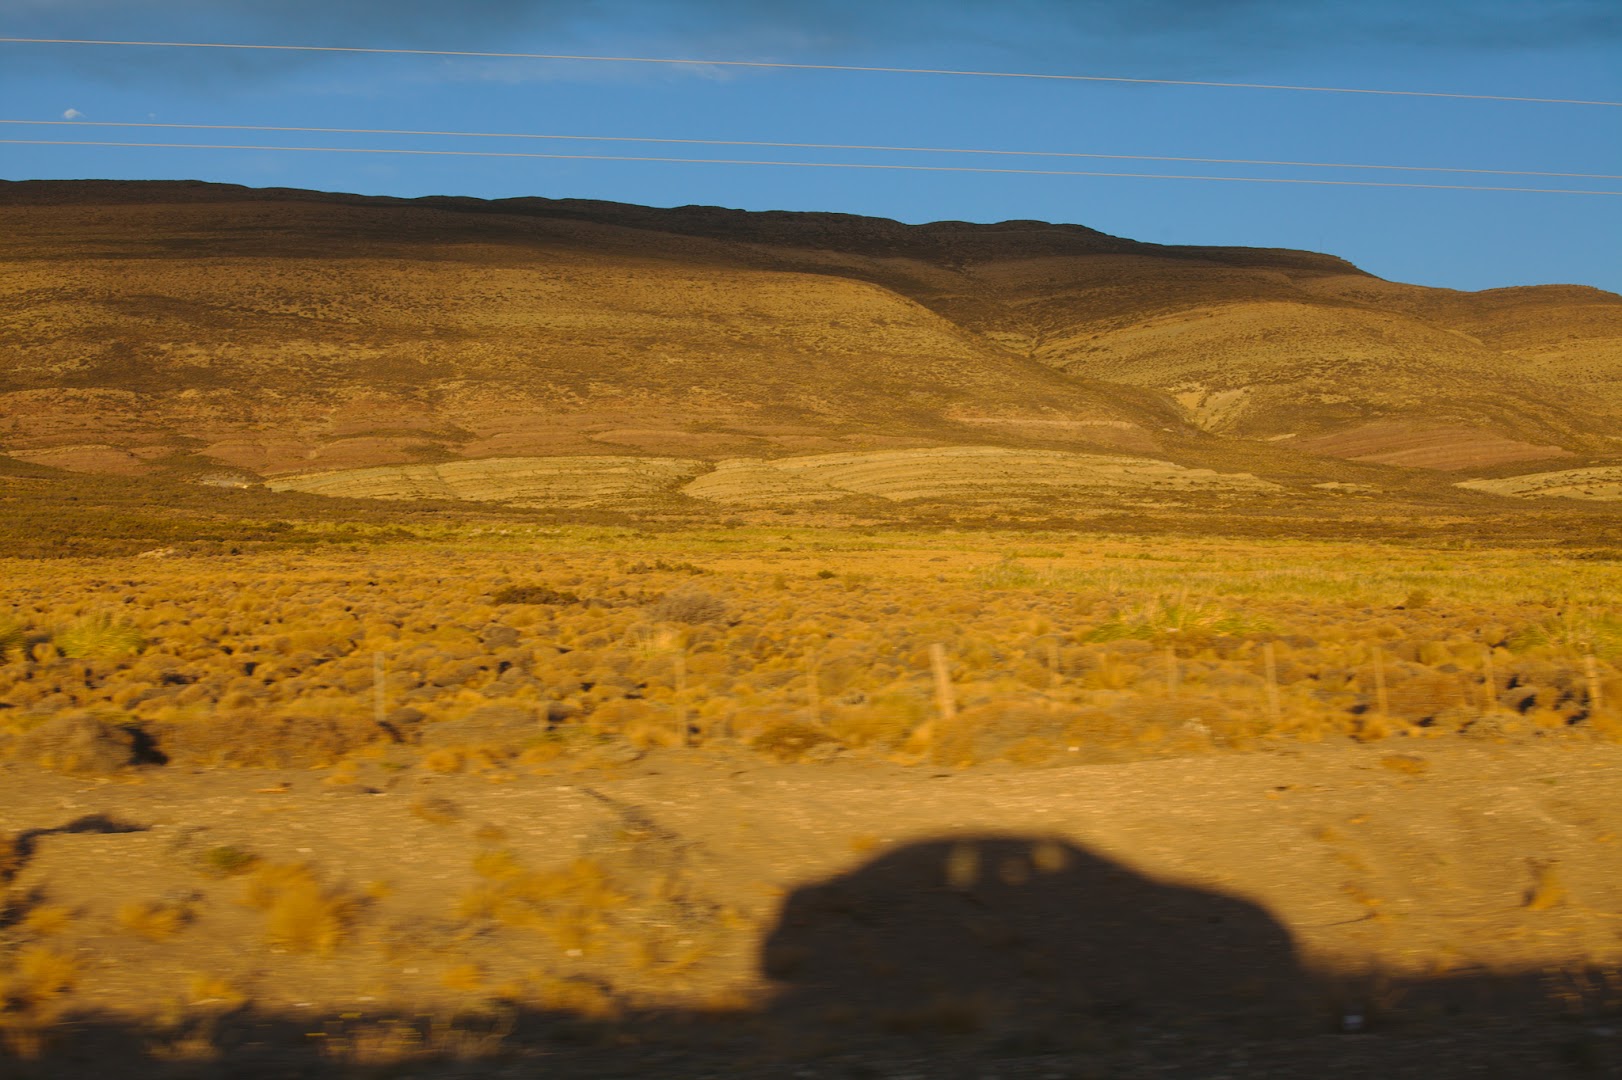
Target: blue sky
1457,239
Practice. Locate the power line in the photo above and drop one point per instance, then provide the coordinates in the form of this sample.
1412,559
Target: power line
808,67
810,146
801,164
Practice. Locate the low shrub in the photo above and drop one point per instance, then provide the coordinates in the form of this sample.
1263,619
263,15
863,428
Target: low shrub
533,594
660,566
253,740
155,920
301,914
100,637
79,745
13,636
790,740
691,606
1573,632
33,995
1024,732
10,857
227,860
1162,618
570,904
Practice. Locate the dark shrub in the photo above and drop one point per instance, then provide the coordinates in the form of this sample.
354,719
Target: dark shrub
691,606
79,745
533,594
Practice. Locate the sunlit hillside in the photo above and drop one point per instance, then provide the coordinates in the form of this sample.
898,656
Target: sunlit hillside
196,330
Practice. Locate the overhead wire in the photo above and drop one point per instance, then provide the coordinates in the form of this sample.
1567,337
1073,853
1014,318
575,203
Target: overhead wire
808,146
802,164
786,65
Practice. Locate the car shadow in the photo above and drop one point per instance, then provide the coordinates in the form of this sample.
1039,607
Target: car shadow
1027,933
963,955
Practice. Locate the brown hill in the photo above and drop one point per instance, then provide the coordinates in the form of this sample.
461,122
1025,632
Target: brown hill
199,328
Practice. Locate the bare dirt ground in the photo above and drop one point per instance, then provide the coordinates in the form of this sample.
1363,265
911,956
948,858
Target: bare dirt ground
1406,908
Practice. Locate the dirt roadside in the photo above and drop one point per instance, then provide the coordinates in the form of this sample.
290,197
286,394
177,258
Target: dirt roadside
1413,907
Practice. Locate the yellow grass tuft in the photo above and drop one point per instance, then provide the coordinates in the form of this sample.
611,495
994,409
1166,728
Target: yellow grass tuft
301,914
790,740
41,973
211,990
582,997
227,860
1374,726
13,637
497,865
343,774
570,905
32,997
445,760
100,636
47,920
1548,889
155,920
436,810
648,729
539,754
466,978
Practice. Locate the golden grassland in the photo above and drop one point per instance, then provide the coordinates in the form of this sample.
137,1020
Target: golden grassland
482,659
529,645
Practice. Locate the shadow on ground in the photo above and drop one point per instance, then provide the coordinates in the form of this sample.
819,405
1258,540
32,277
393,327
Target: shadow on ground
1007,956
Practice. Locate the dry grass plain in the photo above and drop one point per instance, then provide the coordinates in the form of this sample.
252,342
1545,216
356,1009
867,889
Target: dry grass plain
805,801
454,638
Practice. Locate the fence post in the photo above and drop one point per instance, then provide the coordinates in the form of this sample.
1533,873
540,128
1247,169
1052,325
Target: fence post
1381,701
1270,665
679,661
380,710
813,691
943,683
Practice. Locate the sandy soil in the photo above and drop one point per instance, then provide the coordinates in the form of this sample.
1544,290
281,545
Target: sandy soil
1416,909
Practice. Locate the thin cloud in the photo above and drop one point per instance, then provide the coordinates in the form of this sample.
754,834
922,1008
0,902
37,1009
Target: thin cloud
1165,38
577,72
71,114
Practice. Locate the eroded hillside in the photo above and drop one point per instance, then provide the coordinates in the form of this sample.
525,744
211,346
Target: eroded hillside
205,330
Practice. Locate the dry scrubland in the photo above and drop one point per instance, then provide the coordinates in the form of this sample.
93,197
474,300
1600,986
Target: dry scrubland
545,646
1114,659
208,732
